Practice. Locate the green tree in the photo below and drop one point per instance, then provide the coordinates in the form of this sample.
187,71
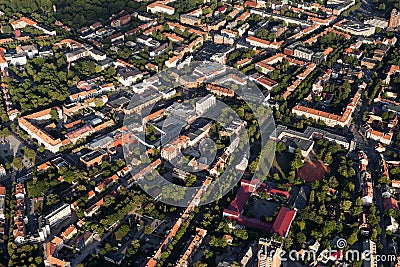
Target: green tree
241,233
98,102
280,147
190,179
54,115
17,163
148,230
30,154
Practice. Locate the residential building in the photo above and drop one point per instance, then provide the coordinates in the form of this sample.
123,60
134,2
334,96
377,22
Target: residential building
392,70
330,119
93,158
2,202
129,76
369,63
263,43
394,21
97,55
76,54
185,259
94,208
159,50
172,150
370,253
159,7
29,50
269,253
69,232
2,170
367,194
22,23
121,21
116,37
51,254
304,53
205,103
80,133
40,135
219,90
91,194
384,138
190,20
58,215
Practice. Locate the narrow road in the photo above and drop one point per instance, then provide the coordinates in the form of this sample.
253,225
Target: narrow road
375,173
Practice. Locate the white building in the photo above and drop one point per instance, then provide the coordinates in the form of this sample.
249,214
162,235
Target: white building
158,7
2,202
369,255
97,55
16,59
59,214
377,22
205,103
302,52
355,28
2,170
30,50
76,54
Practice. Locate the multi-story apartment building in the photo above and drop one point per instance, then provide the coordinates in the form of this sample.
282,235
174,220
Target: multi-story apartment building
205,103
269,253
57,215
2,170
159,7
329,119
394,21
186,257
190,20
2,202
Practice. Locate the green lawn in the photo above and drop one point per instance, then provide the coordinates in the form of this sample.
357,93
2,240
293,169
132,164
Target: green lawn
122,232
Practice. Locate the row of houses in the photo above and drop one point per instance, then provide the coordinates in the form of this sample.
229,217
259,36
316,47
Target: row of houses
330,119
3,192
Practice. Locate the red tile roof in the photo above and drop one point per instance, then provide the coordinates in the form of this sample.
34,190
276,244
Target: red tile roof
313,171
390,203
241,198
2,191
283,221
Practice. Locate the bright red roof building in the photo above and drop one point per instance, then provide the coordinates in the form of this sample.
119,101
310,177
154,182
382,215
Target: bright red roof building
283,221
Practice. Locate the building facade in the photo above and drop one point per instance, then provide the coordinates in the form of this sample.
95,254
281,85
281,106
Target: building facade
394,19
